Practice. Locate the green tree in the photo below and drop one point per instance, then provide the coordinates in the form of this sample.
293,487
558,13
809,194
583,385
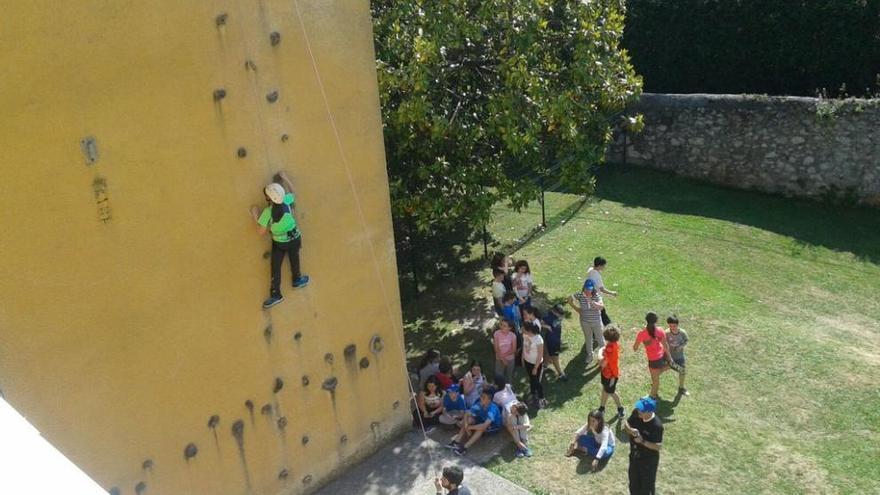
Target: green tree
483,98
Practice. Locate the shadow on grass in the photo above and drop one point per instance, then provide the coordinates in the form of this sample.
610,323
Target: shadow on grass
836,227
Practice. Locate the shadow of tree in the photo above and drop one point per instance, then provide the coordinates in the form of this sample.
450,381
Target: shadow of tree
834,226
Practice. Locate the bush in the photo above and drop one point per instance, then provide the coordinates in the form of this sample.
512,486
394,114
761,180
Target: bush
778,47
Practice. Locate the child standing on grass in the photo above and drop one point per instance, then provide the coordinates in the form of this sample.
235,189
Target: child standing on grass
677,339
518,425
522,283
656,350
533,360
609,359
504,342
453,407
510,310
553,339
498,290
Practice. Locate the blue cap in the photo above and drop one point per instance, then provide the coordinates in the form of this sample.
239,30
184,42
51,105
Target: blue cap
453,388
646,405
589,285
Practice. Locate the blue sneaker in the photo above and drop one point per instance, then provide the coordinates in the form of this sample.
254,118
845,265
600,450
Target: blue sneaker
527,452
519,453
272,301
302,281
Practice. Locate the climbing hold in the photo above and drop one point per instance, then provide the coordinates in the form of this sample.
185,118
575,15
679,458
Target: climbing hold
219,94
376,344
279,384
307,479
305,380
266,410
282,423
213,421
272,96
305,439
374,425
343,439
147,465
241,152
250,65
221,19
267,255
350,352
238,429
330,384
267,333
284,138
140,488
328,358
275,38
249,405
395,405
283,475
365,363
190,451
297,336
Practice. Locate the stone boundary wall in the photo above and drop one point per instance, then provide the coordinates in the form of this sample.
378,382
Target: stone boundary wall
798,147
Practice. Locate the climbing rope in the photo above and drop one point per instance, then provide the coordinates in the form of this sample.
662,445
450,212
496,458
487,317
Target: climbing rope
361,217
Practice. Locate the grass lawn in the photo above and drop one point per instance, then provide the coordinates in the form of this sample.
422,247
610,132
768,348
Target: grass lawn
781,301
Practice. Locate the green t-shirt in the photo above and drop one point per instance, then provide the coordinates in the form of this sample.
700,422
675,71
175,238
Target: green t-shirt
281,229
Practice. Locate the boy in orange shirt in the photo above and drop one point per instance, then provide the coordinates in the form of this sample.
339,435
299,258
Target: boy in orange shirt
609,359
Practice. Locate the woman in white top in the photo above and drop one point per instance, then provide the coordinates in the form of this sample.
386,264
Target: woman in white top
594,439
533,360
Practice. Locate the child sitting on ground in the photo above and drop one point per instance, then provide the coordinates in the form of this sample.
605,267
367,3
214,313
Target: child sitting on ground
609,359
677,339
453,407
594,439
472,383
483,419
444,373
518,426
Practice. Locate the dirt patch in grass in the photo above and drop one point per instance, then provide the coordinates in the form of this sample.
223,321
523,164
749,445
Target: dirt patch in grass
796,472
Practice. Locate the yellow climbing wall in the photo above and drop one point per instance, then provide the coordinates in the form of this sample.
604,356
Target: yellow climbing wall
134,137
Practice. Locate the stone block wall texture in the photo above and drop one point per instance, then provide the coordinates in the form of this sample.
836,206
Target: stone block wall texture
132,276
798,147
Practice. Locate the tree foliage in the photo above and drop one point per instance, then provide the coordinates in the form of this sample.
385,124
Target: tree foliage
483,98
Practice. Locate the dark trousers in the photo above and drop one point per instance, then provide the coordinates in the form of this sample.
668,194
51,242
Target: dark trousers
643,475
279,249
535,386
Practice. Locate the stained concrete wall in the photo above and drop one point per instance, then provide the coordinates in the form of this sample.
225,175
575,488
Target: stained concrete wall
803,147
131,276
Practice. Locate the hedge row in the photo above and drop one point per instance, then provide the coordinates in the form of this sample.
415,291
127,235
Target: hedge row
777,47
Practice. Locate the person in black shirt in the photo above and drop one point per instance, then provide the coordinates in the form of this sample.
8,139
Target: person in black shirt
451,481
645,439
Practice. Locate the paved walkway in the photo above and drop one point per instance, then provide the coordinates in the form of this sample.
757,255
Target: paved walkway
405,467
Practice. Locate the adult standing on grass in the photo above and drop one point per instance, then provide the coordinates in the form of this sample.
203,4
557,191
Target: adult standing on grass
594,273
588,303
645,432
656,349
278,219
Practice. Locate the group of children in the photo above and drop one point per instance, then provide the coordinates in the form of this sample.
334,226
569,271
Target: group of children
525,338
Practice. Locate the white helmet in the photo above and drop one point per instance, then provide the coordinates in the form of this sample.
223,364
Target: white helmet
275,193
